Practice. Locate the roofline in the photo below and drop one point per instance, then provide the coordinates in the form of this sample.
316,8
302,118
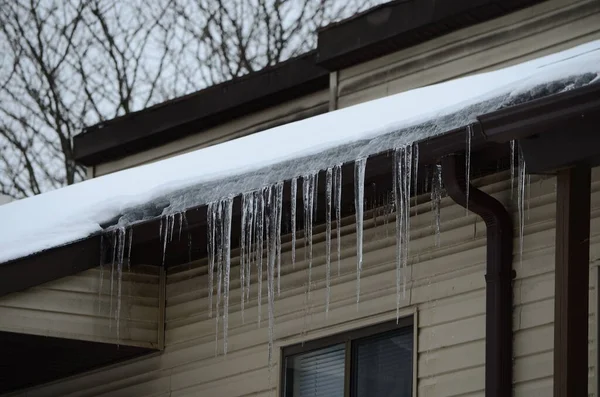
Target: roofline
193,113
400,24
542,117
375,32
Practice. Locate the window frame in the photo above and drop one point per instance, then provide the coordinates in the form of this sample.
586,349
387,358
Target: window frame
346,338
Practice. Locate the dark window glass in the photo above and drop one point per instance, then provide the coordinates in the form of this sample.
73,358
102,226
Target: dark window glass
383,365
376,361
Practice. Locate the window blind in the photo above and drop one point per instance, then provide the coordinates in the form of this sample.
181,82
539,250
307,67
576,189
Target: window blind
319,373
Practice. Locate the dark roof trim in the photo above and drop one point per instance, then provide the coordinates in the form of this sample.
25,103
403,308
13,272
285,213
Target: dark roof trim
401,24
562,109
544,129
193,113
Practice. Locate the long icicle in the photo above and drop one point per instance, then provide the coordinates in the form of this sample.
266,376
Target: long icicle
308,194
415,172
397,186
359,189
436,196
338,212
294,197
251,233
407,194
243,234
121,254
112,274
101,280
272,249
521,203
279,208
210,238
328,194
219,249
512,169
468,165
259,247
228,204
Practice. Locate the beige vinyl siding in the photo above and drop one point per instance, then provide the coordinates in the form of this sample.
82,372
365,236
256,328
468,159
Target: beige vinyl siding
74,307
543,29
446,291
293,110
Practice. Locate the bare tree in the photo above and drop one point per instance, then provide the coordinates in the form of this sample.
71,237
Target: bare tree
66,64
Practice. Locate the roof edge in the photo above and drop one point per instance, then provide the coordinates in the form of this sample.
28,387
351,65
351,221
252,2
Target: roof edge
190,114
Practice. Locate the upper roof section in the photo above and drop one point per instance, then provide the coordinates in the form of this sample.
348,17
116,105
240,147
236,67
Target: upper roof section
376,32
174,119
403,23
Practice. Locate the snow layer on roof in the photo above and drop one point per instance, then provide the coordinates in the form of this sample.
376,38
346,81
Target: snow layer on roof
245,164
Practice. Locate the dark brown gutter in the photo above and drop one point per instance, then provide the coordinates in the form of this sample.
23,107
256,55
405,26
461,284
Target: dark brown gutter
546,129
499,275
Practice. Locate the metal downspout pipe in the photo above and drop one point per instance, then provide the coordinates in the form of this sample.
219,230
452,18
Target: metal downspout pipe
498,277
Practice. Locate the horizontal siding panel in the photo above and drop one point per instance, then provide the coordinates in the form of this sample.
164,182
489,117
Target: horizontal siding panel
81,307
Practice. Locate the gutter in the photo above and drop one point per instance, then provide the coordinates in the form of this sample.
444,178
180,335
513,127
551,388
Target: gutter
498,277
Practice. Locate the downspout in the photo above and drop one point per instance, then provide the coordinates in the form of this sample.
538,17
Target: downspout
498,277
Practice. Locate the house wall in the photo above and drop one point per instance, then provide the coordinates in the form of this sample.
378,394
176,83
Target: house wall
445,292
81,307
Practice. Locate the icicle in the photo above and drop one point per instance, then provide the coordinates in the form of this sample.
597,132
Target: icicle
228,204
160,229
416,171
512,168
338,211
397,187
259,247
210,231
101,281
468,165
315,192
436,196
359,194
181,215
112,273
407,175
251,229
328,193
165,238
294,197
243,234
219,249
279,210
171,227
521,203
121,254
308,195
402,186
528,194
130,244
272,254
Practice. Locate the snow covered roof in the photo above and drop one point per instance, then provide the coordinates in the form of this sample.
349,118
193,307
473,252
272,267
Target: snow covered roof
245,164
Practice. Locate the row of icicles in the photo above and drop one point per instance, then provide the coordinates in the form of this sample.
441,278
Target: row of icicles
261,230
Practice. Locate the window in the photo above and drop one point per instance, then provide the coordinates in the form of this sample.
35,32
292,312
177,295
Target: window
375,361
